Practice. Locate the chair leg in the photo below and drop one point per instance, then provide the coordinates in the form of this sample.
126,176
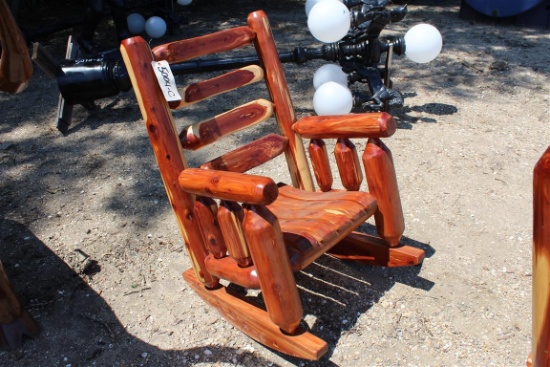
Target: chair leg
267,248
14,321
372,250
382,183
256,323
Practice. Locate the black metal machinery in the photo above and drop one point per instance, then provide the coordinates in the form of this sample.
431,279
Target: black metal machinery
360,53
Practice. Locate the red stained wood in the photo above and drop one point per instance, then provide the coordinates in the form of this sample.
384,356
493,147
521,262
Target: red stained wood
249,155
265,240
206,132
321,165
15,62
227,268
223,83
312,222
278,89
382,183
541,262
362,125
163,136
255,322
221,41
206,214
347,161
230,186
372,250
230,218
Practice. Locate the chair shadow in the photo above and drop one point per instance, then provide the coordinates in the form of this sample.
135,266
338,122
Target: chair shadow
73,316
75,321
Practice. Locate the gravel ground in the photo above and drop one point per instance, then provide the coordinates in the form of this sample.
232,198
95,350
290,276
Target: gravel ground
474,123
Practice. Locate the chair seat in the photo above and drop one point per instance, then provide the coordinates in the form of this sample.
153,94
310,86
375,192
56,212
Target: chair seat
313,222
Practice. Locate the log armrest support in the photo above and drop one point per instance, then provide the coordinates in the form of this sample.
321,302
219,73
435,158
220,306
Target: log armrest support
359,125
231,186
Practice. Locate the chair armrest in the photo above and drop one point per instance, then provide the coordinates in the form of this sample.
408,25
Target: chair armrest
225,185
357,125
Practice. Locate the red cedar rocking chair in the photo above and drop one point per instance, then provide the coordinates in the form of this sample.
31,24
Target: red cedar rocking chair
246,229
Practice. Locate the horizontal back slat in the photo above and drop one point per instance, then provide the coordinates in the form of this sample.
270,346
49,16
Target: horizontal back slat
225,40
250,155
223,83
208,131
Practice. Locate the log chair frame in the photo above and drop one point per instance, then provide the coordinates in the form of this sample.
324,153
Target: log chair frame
261,232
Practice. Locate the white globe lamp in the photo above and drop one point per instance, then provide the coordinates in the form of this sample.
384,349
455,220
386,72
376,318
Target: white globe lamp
155,27
329,73
329,21
136,23
423,43
332,98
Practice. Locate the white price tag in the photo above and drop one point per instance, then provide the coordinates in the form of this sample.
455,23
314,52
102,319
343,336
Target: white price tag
166,80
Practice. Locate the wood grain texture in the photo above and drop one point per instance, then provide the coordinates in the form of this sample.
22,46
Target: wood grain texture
321,166
372,250
206,213
221,41
250,155
278,89
267,248
348,164
231,186
362,125
10,308
382,183
164,140
313,222
230,218
255,322
206,132
541,262
15,62
229,81
227,268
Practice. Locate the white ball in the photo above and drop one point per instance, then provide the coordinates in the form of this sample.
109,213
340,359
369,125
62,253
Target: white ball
184,2
423,43
136,23
329,73
329,21
155,27
311,3
332,98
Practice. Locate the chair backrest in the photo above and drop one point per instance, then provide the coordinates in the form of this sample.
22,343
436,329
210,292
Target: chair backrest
169,145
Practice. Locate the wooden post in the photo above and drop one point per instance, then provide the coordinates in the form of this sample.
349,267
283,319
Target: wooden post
267,247
206,212
348,164
14,321
382,182
230,218
321,166
541,262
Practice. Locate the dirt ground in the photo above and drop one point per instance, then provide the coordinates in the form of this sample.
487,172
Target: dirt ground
474,123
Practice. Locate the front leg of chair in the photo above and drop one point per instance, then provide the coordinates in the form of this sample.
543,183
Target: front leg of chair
382,183
265,240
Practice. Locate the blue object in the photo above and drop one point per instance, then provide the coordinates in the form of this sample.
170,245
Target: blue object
503,8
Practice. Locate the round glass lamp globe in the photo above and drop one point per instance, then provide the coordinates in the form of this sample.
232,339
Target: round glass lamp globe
423,43
155,27
329,73
329,21
311,3
136,23
332,98
184,2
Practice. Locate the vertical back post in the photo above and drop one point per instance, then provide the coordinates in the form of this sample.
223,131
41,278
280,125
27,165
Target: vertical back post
278,89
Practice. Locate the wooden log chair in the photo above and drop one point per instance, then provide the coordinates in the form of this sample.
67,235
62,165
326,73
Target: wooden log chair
246,229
